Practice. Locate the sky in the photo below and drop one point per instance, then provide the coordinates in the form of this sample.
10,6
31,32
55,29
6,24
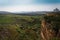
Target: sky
28,5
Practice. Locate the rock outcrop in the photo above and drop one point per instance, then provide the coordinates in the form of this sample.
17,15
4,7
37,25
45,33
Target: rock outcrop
50,28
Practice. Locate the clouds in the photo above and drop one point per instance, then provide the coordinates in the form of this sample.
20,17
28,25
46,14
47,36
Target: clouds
15,2
22,1
27,2
28,8
28,5
4,3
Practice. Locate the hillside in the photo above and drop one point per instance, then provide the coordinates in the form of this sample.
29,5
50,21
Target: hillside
50,29
19,27
30,27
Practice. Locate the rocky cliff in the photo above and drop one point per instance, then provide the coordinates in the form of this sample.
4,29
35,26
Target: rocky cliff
50,29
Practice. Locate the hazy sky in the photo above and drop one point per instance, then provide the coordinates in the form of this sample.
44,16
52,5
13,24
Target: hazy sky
28,5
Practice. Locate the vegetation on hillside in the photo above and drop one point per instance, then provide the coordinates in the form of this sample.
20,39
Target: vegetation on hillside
24,27
51,26
17,27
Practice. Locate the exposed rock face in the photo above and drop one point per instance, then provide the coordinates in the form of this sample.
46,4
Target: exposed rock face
50,27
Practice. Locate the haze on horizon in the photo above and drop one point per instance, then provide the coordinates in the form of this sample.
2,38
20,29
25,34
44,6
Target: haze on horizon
28,5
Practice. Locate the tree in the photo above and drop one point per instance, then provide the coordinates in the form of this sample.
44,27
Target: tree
56,10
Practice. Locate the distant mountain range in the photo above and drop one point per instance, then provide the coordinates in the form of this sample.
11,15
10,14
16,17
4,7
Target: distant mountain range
4,12
26,13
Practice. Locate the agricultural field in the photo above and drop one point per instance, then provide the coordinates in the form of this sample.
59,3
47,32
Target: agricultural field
19,27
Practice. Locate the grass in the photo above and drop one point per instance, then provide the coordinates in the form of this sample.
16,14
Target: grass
17,27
